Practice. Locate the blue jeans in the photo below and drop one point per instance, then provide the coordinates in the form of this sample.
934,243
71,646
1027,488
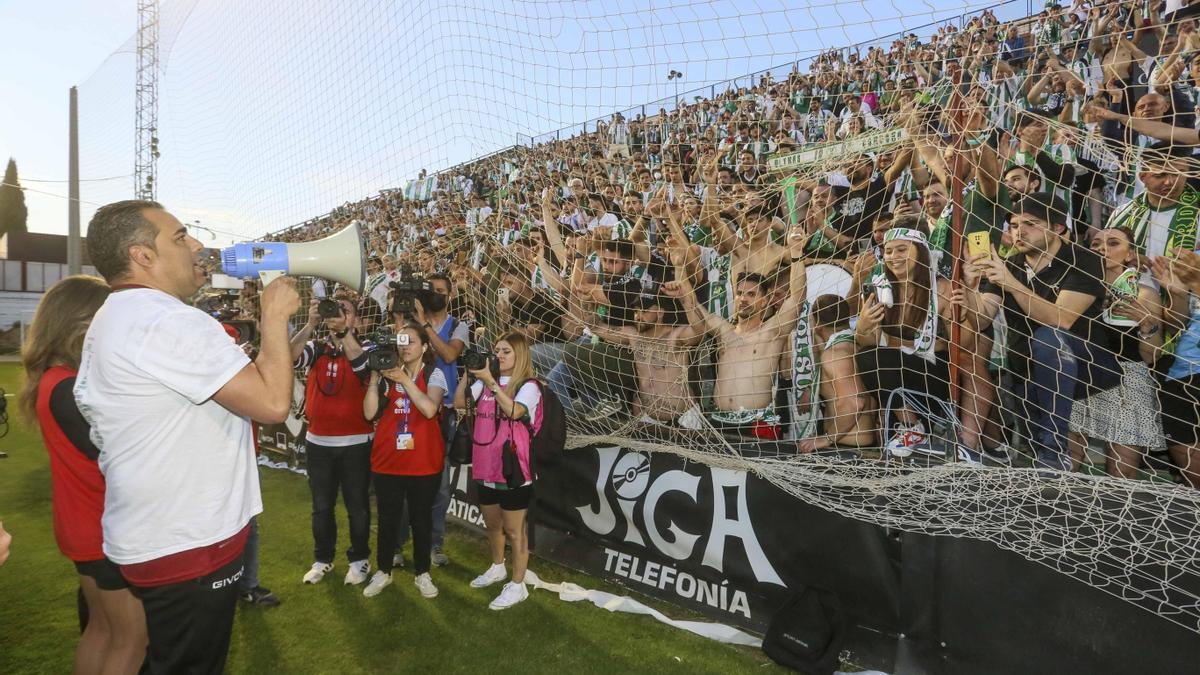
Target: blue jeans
562,383
545,356
1060,365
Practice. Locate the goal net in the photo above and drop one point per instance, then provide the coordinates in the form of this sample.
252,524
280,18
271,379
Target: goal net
922,264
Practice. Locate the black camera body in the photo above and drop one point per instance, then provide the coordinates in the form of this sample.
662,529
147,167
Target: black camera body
407,289
385,355
328,308
476,357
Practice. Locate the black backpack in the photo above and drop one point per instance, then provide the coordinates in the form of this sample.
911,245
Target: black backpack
547,444
806,632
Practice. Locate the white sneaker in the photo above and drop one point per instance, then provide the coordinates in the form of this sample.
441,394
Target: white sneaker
493,574
379,581
317,573
425,585
397,560
359,569
906,439
511,594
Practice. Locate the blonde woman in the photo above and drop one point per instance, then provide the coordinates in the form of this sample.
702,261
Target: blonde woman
508,413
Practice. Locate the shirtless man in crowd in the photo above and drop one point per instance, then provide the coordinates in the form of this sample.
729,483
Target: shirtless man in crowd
750,349
661,352
846,420
755,252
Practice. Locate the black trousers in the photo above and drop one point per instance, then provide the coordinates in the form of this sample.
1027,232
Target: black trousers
348,469
884,369
190,622
392,493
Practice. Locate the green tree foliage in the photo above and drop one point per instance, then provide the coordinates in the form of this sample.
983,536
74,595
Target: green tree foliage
13,213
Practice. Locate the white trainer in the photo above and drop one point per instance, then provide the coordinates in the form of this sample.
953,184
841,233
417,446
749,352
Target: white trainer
379,581
425,584
359,569
512,593
494,574
317,573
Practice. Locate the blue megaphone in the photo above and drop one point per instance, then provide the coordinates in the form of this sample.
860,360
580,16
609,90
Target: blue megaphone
339,257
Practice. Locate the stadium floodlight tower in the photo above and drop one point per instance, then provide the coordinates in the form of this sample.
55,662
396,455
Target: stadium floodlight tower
145,165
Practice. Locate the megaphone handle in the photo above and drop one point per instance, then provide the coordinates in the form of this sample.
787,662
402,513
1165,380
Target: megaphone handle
268,276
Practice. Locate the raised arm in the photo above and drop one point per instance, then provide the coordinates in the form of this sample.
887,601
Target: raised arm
789,311
550,223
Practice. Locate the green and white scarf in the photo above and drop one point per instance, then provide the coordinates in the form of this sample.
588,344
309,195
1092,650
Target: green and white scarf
806,374
927,335
805,377
1136,216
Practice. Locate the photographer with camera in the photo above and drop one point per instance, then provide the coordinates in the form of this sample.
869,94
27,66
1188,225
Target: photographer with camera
508,415
338,441
447,338
404,398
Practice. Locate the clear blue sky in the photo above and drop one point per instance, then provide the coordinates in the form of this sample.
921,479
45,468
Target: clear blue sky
272,111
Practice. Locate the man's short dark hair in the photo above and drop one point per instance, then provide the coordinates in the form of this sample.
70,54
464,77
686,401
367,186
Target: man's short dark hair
622,247
1043,206
754,278
440,276
113,229
1014,167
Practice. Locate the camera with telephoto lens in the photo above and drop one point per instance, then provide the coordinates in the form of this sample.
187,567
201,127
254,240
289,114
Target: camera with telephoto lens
477,357
407,289
385,355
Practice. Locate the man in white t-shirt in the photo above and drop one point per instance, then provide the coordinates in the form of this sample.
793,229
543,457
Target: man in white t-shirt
169,398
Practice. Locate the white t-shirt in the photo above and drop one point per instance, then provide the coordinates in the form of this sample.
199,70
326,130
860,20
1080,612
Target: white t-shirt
606,220
529,395
179,468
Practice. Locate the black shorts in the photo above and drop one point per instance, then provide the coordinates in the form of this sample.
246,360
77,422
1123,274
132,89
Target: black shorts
509,500
1179,401
105,572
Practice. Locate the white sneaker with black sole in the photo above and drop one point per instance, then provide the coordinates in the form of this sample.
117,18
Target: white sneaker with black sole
317,572
424,584
494,574
379,581
359,569
512,593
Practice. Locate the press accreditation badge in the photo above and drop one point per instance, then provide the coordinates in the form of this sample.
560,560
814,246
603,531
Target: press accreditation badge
404,442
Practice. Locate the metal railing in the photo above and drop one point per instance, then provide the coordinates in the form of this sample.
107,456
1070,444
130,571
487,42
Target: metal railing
1021,9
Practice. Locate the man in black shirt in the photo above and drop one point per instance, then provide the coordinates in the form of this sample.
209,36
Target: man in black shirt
857,205
1052,292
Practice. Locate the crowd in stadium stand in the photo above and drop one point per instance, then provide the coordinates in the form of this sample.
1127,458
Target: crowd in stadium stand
663,272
